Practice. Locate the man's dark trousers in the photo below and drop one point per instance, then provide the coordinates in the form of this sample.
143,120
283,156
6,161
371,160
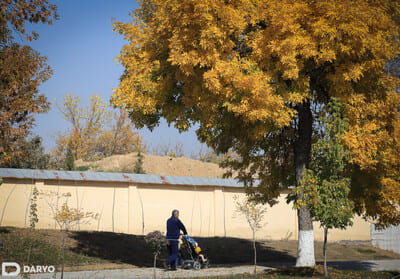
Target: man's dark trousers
172,253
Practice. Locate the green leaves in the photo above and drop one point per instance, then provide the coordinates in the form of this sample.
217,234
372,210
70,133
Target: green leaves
324,189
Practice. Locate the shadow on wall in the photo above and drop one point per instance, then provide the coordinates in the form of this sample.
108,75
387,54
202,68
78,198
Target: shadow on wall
132,249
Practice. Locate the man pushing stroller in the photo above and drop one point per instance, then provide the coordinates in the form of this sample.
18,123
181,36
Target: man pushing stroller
195,258
174,227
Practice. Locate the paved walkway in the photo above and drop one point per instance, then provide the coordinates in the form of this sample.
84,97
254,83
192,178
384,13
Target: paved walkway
147,273
381,265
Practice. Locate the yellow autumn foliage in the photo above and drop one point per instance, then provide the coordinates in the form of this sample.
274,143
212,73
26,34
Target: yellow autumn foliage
95,131
243,69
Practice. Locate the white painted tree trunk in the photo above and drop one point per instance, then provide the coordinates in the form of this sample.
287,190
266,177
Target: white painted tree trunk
305,251
302,151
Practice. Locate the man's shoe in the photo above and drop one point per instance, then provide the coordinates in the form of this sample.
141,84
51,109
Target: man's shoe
165,266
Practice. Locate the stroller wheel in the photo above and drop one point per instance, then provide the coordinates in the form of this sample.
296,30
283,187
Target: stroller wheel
206,265
197,265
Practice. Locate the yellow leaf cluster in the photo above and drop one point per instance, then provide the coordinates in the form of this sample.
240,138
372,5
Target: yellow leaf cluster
67,216
374,141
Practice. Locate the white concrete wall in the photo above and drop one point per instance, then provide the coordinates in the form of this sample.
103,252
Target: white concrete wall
387,239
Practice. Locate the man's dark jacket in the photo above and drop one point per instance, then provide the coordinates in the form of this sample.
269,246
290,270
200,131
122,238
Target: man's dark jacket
174,226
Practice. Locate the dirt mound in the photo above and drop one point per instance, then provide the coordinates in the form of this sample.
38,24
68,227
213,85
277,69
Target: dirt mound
161,165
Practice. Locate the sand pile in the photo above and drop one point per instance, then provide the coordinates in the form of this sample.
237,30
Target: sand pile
161,165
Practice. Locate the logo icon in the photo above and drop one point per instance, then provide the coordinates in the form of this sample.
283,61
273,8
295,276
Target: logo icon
4,271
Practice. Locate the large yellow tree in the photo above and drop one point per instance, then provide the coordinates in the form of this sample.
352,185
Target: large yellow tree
256,74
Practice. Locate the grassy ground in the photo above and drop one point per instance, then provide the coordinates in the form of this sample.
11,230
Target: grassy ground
106,250
39,248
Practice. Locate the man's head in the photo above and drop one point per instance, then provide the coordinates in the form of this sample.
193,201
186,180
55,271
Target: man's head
175,213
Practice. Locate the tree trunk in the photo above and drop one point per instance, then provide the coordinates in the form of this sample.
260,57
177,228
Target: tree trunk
325,242
63,254
255,252
154,266
302,149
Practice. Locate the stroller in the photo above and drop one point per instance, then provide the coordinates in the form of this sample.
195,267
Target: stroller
192,255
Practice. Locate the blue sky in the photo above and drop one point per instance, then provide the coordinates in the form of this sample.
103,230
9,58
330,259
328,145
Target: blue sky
80,48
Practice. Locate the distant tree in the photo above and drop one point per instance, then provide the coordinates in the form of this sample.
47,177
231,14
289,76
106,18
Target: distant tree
166,148
36,158
86,122
35,155
69,163
94,134
139,164
119,137
162,149
254,214
32,155
324,189
178,149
